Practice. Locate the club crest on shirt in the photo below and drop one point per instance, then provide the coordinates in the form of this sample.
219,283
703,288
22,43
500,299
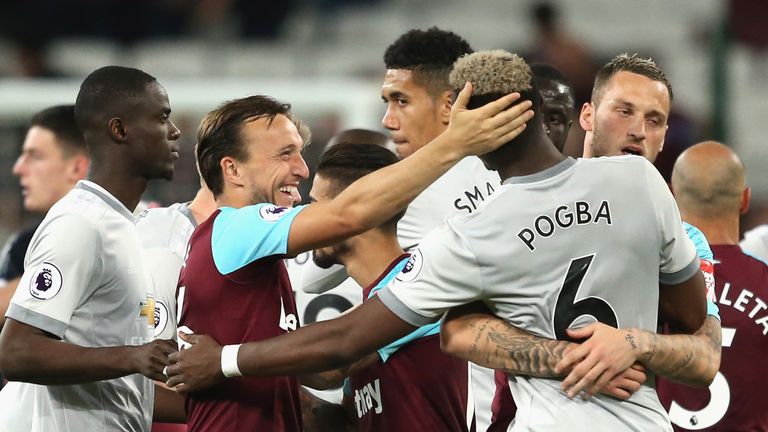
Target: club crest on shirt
271,213
412,267
161,317
46,282
147,310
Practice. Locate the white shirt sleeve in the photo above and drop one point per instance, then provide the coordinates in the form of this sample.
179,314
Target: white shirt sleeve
756,242
421,216
679,261
63,266
164,266
316,280
442,273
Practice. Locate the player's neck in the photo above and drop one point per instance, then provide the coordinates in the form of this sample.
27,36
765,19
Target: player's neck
233,198
718,231
202,206
530,157
127,189
370,254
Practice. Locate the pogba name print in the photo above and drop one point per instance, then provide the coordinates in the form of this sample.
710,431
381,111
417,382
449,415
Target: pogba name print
564,217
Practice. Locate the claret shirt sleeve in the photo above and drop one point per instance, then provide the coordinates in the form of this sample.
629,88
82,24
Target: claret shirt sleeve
62,268
242,236
442,273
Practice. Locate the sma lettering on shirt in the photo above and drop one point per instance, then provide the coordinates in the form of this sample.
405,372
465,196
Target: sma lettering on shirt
470,200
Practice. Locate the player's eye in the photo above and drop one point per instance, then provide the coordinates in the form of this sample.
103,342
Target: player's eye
556,120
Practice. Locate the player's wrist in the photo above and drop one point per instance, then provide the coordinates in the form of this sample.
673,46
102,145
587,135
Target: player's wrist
448,147
229,365
642,343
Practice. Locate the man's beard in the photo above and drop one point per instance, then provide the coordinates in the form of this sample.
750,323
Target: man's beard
324,261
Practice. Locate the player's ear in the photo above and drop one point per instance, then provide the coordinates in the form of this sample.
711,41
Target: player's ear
586,117
445,101
746,197
117,131
78,169
230,171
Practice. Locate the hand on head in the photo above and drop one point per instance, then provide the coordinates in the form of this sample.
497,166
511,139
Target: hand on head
484,129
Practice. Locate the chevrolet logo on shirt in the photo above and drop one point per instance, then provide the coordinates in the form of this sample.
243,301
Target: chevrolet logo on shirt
147,310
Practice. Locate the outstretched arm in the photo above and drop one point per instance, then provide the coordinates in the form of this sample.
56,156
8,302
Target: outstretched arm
29,354
317,347
472,333
373,199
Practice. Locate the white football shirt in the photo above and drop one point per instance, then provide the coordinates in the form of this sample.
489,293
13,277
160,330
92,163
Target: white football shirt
755,242
84,282
164,234
582,240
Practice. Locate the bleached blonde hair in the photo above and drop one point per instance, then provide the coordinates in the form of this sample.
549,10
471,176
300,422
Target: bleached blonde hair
492,72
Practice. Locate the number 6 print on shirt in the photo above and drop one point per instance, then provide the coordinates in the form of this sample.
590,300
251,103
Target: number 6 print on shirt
568,309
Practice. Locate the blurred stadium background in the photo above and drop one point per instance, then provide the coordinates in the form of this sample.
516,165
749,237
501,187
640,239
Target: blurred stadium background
324,57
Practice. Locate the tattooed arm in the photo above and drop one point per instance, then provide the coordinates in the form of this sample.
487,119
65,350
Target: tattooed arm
472,333
691,359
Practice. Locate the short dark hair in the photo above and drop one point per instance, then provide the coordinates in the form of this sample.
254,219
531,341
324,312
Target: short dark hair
60,120
628,63
106,93
547,71
543,71
219,134
345,163
429,54
359,136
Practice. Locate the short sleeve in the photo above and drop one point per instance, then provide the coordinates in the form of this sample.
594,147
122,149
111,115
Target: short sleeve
242,236
316,280
164,266
706,264
418,220
755,243
703,251
442,273
678,254
63,266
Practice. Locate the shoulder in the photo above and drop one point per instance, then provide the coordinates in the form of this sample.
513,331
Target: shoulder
158,227
617,163
756,241
264,211
68,228
161,215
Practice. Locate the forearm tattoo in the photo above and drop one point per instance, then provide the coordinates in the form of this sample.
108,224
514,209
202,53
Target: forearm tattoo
515,351
689,359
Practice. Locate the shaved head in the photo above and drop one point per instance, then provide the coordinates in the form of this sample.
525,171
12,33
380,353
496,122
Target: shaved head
708,181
